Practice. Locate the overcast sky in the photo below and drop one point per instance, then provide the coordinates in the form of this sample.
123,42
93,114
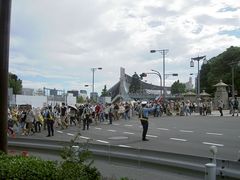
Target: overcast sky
55,43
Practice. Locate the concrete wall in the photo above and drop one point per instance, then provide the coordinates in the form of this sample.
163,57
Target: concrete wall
71,100
35,101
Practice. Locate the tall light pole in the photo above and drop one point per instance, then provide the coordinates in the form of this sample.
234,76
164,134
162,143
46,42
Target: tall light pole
192,65
163,52
93,71
5,13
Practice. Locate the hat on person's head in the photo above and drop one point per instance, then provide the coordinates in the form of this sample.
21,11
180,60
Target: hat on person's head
144,102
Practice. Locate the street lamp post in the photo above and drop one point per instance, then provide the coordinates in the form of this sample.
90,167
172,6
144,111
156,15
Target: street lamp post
93,71
192,65
160,78
163,52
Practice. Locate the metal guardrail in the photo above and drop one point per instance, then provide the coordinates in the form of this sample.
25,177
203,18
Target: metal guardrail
139,157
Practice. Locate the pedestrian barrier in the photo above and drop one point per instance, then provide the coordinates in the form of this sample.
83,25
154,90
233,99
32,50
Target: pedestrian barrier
139,157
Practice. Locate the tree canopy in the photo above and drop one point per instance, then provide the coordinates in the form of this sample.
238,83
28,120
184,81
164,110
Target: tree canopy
219,68
178,88
135,84
15,83
104,91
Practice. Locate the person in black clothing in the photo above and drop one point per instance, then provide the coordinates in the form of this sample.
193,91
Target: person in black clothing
50,122
235,106
23,118
80,112
87,119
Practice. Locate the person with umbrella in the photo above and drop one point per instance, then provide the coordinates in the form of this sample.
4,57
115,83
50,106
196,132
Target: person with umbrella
72,114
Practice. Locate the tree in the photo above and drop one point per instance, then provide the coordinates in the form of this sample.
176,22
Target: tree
15,83
80,99
178,88
104,91
219,68
135,84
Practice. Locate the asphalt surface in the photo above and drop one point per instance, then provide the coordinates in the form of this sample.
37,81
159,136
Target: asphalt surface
191,135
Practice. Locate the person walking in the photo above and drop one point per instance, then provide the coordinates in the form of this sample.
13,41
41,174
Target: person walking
86,116
220,106
143,117
116,113
29,122
110,113
126,111
63,115
235,106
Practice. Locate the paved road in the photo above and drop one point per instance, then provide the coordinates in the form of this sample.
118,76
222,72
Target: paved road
192,135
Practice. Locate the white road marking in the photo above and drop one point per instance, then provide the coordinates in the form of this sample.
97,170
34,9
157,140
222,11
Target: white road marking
111,130
186,131
60,131
128,125
98,128
124,146
163,129
84,137
70,134
176,139
102,141
128,133
152,136
217,134
214,144
115,124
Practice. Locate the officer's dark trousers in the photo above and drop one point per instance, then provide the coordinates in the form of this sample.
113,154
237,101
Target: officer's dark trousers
86,123
50,127
145,129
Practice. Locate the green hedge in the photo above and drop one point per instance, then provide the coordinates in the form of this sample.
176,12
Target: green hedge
31,168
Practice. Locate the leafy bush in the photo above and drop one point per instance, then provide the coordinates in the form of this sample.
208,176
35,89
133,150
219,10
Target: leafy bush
70,170
27,168
74,166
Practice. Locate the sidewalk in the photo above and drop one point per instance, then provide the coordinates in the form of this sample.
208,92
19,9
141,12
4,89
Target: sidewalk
217,113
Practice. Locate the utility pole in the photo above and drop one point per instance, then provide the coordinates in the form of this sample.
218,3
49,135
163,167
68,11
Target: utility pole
233,64
5,13
233,87
163,52
192,65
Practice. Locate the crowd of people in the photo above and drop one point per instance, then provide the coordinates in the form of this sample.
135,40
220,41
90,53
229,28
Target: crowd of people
26,120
